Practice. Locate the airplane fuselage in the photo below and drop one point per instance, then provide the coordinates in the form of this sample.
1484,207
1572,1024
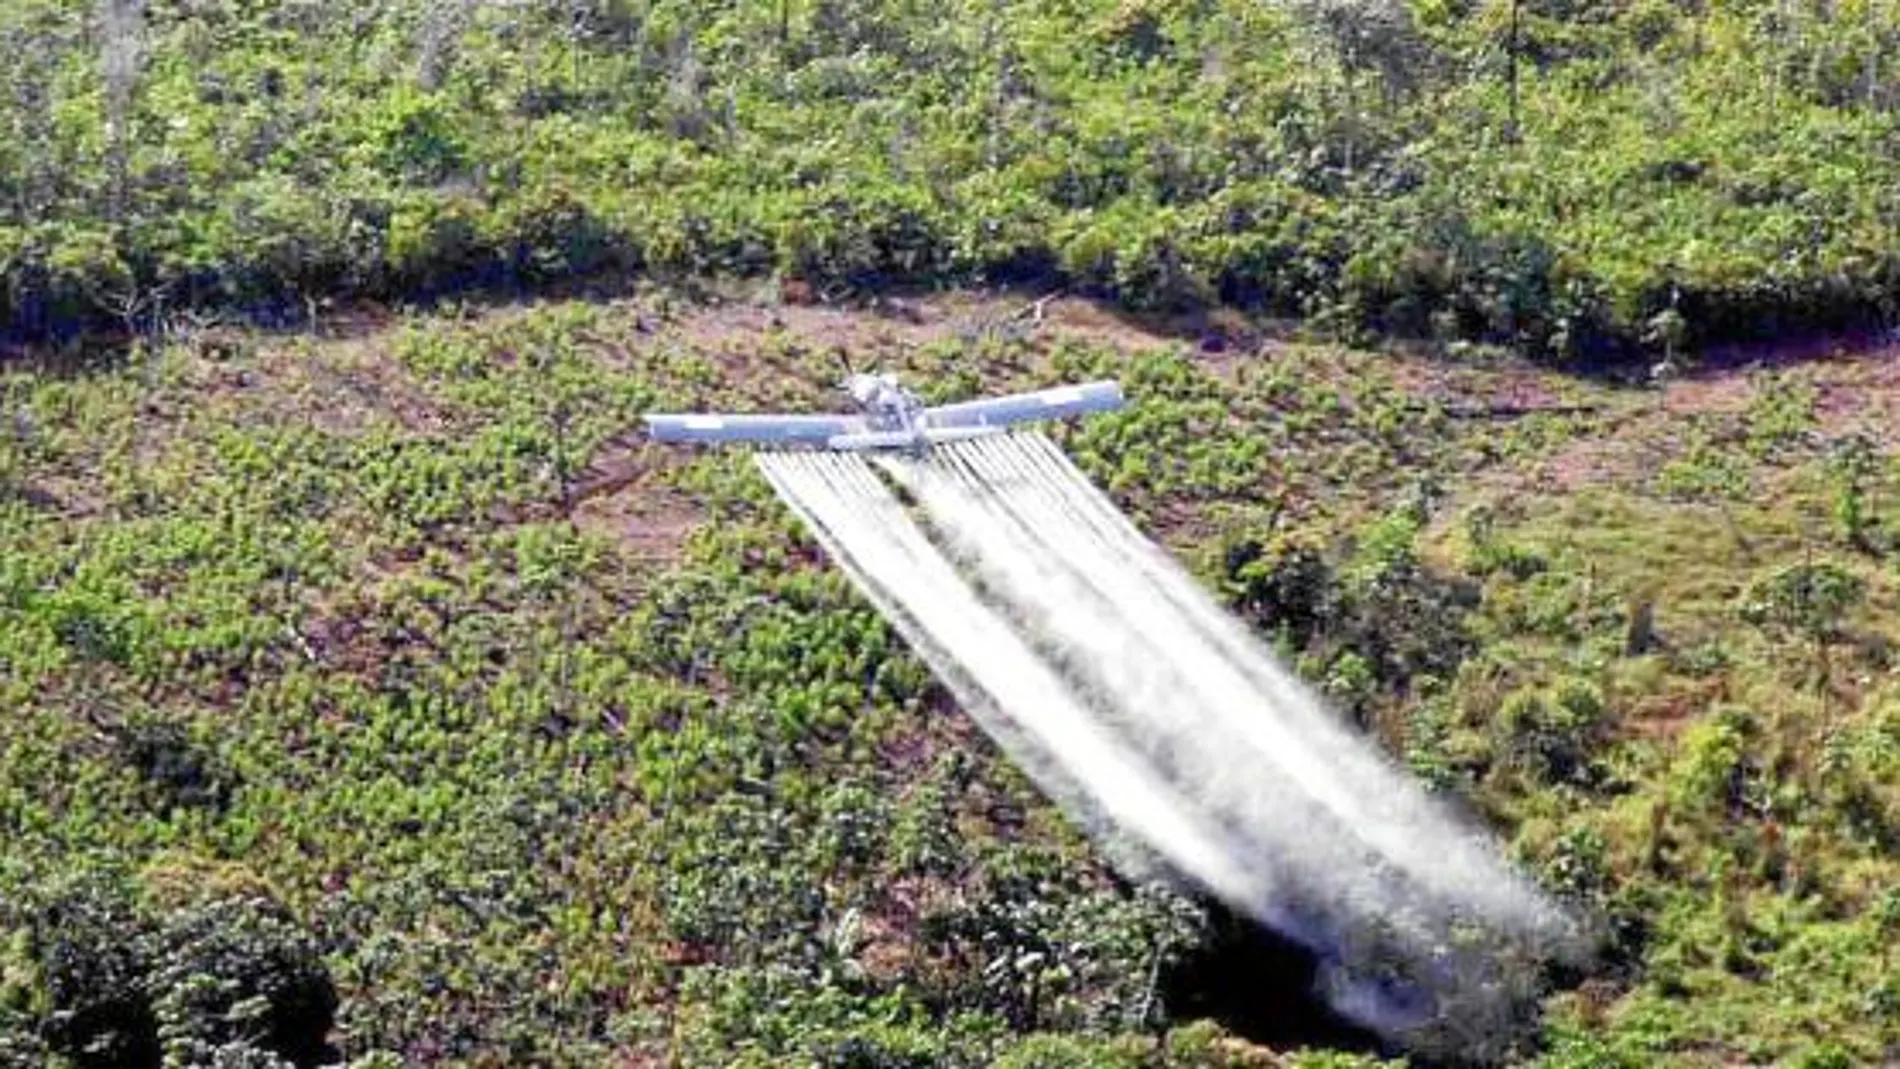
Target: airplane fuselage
893,417
887,406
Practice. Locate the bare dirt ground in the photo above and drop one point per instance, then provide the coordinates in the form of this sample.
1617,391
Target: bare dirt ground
1855,392
625,498
896,323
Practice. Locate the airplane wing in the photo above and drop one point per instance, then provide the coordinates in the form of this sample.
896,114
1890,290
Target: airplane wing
1021,407
717,427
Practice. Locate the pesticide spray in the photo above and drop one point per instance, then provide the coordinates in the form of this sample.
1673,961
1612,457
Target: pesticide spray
1169,732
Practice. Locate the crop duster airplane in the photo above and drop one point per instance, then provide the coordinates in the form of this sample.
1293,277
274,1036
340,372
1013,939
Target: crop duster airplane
892,418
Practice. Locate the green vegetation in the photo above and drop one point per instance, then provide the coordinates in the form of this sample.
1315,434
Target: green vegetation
1582,180
385,677
375,697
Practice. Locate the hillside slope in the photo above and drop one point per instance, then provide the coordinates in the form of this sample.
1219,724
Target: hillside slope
386,676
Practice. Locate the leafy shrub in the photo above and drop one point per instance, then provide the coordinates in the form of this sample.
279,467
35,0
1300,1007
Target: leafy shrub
1807,602
92,946
235,974
1552,734
176,768
1282,586
226,981
1714,769
1370,612
1081,961
1853,464
20,1044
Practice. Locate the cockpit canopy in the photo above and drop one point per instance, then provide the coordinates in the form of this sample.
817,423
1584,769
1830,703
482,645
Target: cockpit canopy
887,405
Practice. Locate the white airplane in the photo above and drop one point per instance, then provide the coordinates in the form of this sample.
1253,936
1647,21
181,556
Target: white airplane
892,418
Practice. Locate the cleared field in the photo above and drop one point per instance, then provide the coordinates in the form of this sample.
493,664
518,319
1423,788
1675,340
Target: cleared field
557,747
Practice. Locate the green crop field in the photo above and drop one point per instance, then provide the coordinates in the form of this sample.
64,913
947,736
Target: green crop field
372,693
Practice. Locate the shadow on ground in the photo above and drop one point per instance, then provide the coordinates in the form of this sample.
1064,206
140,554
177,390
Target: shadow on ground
1261,987
1266,990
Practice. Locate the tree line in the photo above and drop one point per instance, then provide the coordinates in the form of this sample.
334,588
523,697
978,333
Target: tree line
1585,181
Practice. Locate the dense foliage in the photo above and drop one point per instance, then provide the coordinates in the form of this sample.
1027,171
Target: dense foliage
1584,179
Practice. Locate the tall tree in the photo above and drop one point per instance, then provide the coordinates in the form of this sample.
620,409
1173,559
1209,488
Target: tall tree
1366,36
121,54
1512,127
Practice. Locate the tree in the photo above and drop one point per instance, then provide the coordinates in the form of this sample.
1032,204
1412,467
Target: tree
1367,35
122,44
1512,127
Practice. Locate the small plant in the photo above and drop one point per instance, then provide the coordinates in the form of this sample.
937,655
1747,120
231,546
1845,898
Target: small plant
1853,463
1704,472
1807,602
1782,416
1490,554
1714,769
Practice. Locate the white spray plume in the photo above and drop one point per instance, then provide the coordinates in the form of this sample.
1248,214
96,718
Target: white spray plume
1168,730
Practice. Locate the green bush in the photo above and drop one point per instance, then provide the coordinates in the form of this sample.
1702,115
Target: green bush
238,982
91,944
229,981
1553,734
1067,1052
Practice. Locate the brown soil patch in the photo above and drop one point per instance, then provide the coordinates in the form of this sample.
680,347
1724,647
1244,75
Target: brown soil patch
913,747
1858,377
1220,338
649,525
1862,395
886,953
624,496
344,387
1595,461
896,325
1665,715
1726,393
63,496
1857,393
347,388
891,927
1511,387
354,390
